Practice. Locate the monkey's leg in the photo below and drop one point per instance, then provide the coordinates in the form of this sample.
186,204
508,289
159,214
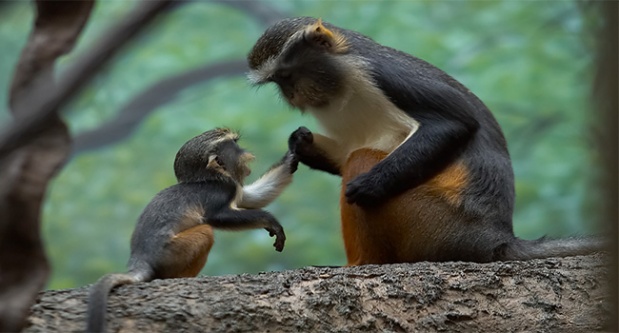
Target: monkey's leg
233,219
186,253
316,151
363,237
427,223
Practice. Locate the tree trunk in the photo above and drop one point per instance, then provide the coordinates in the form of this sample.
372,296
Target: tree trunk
549,295
25,174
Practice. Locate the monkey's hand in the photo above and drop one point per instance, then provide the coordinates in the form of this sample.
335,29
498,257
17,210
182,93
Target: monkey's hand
280,237
365,190
301,142
291,160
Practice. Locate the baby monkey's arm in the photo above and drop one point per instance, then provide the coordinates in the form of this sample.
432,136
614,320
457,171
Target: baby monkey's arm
270,185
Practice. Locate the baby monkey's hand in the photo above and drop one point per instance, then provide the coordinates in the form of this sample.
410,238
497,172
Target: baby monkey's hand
280,237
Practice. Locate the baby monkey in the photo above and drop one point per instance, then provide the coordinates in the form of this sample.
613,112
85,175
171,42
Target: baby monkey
174,234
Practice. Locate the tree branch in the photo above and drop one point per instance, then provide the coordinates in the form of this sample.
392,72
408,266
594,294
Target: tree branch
259,10
25,173
549,295
134,112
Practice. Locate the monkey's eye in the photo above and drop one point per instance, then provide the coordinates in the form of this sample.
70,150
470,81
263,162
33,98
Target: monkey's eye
281,76
284,73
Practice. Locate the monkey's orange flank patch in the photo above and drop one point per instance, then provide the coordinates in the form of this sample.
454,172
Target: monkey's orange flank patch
450,183
191,248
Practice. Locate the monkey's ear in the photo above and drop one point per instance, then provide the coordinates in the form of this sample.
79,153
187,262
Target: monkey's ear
213,162
317,34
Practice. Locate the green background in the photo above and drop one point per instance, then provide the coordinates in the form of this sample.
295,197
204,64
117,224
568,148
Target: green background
530,62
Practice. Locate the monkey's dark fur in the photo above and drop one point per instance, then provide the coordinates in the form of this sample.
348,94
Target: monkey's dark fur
174,235
444,163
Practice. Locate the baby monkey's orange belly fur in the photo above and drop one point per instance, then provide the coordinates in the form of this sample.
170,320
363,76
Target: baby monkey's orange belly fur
408,227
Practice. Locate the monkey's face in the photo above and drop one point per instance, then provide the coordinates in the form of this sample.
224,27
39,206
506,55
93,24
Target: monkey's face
214,152
301,56
234,160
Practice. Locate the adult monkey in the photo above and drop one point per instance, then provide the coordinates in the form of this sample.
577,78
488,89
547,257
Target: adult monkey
426,174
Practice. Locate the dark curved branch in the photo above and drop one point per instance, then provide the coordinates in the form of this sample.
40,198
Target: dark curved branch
134,112
24,175
130,116
42,101
259,10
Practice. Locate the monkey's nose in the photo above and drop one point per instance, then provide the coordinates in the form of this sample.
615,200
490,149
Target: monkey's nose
247,171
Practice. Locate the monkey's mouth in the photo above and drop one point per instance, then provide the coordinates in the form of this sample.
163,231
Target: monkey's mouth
301,102
292,96
246,158
295,100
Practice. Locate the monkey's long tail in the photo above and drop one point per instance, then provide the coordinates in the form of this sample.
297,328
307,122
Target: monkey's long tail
544,247
97,299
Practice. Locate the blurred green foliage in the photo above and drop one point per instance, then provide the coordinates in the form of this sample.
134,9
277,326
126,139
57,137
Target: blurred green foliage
530,62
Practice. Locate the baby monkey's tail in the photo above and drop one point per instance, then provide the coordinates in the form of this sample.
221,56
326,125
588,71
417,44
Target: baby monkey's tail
97,299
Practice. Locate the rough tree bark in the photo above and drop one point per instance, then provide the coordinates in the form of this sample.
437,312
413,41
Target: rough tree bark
550,295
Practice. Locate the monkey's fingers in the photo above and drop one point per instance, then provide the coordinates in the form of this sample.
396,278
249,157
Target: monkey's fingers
292,160
280,238
279,242
300,138
363,192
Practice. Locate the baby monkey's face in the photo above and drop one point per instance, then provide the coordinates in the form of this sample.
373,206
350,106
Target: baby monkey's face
215,150
234,160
